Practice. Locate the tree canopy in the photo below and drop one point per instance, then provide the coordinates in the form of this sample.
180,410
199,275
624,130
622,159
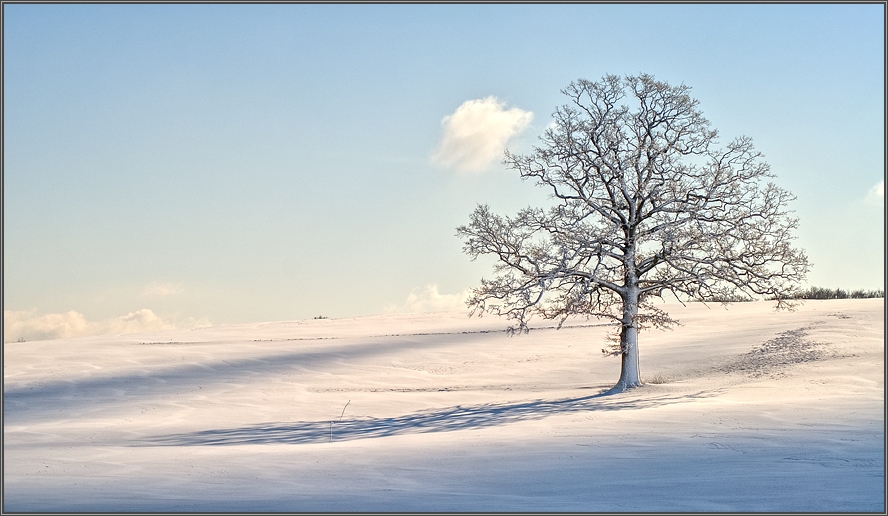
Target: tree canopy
645,202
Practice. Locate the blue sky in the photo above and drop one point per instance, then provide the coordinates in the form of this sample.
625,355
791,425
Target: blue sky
171,165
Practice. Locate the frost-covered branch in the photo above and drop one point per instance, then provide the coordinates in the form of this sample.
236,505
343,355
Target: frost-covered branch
645,202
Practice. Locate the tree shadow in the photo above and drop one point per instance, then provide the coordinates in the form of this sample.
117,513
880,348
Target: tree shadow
69,398
438,420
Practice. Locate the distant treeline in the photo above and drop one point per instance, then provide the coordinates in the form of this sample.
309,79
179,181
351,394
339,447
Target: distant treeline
838,293
811,293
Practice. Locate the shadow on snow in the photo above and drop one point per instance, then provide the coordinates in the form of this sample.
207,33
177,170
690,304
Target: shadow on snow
72,398
440,420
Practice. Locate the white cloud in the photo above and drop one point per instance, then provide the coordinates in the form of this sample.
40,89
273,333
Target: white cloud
140,320
28,325
876,194
429,299
161,290
475,135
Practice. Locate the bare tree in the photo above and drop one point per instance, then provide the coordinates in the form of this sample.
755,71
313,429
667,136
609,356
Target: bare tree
645,203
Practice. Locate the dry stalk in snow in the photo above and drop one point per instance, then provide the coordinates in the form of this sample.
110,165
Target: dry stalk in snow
340,418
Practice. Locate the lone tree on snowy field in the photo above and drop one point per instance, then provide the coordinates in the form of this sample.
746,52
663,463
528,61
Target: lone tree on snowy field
645,202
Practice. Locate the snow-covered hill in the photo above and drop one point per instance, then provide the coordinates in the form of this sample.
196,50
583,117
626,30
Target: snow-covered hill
745,409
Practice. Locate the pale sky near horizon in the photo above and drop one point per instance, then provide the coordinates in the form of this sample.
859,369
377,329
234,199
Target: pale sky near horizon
172,165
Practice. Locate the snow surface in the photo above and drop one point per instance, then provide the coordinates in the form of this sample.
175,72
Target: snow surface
760,411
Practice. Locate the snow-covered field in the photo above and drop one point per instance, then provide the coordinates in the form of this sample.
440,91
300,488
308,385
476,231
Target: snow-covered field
745,409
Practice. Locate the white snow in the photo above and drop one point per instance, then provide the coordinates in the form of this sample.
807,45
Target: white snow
760,411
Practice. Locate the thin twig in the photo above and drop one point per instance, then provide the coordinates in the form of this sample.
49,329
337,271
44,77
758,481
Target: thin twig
340,418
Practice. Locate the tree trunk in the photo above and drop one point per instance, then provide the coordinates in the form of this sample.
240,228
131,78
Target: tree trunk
629,376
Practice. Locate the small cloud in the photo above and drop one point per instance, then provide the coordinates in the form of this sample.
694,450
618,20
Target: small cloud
28,325
876,194
138,321
475,135
161,290
429,299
